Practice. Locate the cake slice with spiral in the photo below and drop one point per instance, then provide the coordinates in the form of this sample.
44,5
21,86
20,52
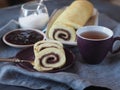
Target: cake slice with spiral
45,44
62,33
49,55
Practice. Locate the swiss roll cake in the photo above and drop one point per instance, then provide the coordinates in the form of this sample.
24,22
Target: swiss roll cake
49,55
73,17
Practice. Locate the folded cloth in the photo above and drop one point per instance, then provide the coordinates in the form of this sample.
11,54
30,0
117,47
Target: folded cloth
78,77
6,51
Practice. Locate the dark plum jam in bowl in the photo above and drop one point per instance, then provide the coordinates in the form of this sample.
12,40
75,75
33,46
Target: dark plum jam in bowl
21,38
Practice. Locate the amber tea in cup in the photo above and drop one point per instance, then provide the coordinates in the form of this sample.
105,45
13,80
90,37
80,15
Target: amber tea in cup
94,35
94,42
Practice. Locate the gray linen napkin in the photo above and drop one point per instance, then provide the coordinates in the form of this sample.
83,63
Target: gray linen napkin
78,77
13,75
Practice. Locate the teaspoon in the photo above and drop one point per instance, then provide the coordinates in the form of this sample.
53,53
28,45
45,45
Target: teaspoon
16,60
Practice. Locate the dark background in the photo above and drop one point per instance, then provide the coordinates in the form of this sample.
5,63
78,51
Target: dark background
5,3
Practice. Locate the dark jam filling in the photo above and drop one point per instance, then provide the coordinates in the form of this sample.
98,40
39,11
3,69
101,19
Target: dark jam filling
50,60
62,35
25,37
47,47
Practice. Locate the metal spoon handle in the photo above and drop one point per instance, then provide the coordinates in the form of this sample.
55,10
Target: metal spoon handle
13,60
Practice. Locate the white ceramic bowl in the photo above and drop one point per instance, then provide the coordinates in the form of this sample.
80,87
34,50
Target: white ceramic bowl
21,45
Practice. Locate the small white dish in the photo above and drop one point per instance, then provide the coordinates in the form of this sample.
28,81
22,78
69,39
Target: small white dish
66,43
21,38
69,43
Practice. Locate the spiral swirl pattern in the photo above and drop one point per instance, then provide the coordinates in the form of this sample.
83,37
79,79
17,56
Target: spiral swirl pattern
62,33
49,55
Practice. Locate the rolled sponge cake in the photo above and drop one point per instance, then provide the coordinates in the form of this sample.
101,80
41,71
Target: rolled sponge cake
73,17
49,55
